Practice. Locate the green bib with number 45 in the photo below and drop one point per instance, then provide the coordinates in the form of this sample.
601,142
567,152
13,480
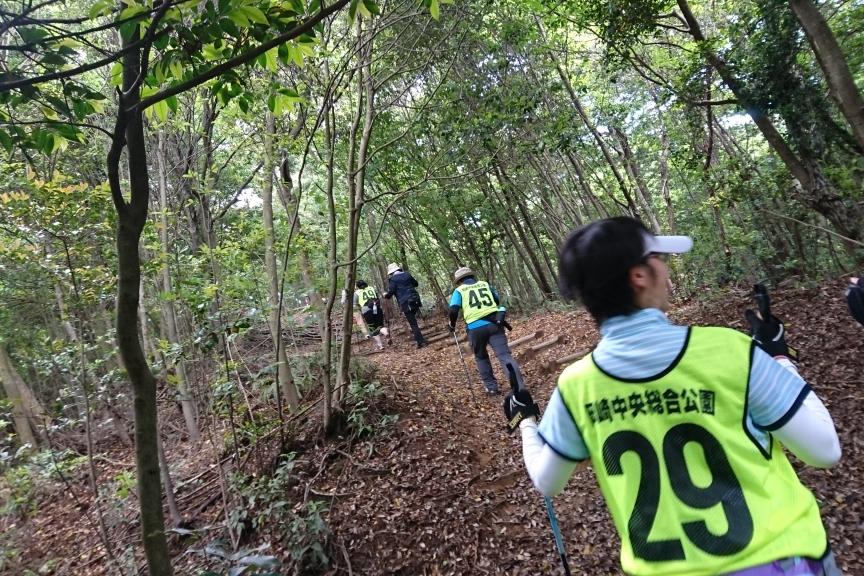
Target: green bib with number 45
477,301
690,488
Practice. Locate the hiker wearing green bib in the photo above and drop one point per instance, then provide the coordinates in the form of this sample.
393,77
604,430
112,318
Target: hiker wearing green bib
484,320
366,298
685,427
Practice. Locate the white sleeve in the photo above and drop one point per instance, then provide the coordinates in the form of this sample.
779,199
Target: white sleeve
548,471
810,435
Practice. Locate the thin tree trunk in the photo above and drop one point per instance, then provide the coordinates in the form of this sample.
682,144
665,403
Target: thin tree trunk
285,377
356,173
635,175
327,336
585,185
664,180
169,318
577,104
173,509
132,216
532,256
25,421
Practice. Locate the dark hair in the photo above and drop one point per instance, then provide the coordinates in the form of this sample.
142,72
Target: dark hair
361,284
594,262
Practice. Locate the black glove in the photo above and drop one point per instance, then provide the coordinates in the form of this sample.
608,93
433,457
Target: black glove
770,335
518,406
499,317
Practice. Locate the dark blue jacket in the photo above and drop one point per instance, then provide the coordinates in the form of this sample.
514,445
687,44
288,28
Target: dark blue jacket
403,286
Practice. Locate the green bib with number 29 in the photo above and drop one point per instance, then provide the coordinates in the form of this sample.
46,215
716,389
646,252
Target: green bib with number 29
691,490
477,301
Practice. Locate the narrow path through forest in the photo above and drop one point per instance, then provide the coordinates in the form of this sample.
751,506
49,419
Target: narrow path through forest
443,490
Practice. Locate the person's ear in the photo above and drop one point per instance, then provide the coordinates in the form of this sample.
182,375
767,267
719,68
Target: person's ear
639,277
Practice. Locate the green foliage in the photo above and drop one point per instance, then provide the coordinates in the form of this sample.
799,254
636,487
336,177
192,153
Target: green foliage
26,477
266,508
124,483
363,419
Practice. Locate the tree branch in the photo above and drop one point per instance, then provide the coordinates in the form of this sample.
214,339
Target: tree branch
241,58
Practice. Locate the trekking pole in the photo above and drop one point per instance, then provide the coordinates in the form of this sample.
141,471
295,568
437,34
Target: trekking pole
465,366
556,533
550,509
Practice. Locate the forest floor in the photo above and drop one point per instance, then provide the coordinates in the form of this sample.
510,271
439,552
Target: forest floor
444,490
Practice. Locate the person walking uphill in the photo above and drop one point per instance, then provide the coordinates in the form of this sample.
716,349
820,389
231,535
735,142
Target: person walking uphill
404,287
681,424
484,320
366,298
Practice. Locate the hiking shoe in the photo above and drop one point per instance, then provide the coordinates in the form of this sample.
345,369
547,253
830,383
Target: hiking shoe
492,391
422,344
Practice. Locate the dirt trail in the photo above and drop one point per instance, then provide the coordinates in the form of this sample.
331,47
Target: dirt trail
444,491
447,493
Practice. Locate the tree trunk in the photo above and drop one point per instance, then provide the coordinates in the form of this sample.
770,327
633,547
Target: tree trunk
532,255
664,180
841,83
170,498
356,174
26,423
132,216
817,193
577,104
169,317
285,377
636,176
333,270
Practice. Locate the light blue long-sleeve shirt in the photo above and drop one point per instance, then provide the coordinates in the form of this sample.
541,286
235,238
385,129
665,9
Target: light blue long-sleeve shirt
644,344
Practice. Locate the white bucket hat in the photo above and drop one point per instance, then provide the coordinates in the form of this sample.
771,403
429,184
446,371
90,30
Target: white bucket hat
462,273
392,268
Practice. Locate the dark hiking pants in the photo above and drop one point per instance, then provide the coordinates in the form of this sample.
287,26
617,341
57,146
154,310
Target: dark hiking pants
492,334
411,316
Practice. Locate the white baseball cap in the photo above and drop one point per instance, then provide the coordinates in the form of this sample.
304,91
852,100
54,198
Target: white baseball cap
667,244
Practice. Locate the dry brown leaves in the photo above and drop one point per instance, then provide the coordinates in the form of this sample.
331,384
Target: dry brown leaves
445,491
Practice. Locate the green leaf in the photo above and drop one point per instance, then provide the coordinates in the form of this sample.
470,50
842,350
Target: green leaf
100,8
131,12
31,34
117,74
52,59
172,103
239,18
211,52
255,14
81,108
364,11
176,68
161,110
294,55
49,113
6,140
434,9
372,7
272,57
